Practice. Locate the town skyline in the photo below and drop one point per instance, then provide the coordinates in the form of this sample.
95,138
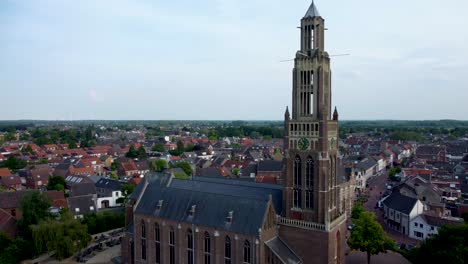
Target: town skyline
130,61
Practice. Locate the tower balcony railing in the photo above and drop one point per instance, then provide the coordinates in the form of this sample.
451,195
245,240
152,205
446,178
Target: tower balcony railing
301,224
311,225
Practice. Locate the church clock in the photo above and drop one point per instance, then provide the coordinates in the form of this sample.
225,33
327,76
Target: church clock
303,144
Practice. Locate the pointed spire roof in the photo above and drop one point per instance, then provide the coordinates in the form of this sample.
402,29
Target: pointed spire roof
312,11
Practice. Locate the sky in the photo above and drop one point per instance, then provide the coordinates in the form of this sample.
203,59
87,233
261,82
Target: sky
222,59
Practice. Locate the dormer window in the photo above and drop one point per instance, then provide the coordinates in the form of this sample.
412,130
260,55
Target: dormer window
229,217
192,210
159,205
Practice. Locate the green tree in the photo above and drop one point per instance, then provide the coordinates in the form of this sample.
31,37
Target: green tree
450,245
14,163
392,174
159,147
114,165
161,165
65,236
114,175
34,208
56,183
15,251
127,189
103,221
357,211
141,153
185,166
368,236
72,145
180,146
236,171
132,153
27,149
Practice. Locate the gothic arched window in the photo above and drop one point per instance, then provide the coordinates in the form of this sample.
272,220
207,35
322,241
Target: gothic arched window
309,195
247,257
297,172
157,239
207,248
143,240
172,255
227,251
189,246
310,173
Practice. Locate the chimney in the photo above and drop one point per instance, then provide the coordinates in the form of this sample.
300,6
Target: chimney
229,217
159,205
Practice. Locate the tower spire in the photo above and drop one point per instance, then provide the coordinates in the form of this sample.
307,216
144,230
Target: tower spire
312,11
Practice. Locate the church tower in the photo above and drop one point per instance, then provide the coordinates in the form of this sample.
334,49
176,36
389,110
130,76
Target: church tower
311,191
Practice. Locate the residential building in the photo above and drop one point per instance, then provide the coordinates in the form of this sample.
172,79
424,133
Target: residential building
399,210
427,225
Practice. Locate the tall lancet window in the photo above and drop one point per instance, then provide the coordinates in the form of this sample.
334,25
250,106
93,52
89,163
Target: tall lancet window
143,240
297,172
309,202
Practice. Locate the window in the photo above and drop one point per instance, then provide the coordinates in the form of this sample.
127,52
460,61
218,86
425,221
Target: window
297,199
310,173
189,247
309,199
143,240
171,246
421,225
207,248
416,224
432,228
418,234
157,239
246,252
297,172
227,251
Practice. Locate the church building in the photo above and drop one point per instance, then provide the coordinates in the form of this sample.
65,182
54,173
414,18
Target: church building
210,220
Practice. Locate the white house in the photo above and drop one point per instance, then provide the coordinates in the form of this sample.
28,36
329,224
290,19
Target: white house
108,191
426,225
399,210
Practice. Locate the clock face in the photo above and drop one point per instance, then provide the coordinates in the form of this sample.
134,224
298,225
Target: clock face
303,143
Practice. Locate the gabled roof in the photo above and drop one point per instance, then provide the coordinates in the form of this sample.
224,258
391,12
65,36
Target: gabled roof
213,198
400,203
312,11
282,251
109,184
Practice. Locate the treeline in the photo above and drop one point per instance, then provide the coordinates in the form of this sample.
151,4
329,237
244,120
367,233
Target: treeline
254,132
44,135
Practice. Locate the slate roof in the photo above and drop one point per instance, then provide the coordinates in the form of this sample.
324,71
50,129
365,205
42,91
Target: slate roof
282,251
270,165
366,164
312,11
400,202
82,189
214,199
109,184
439,221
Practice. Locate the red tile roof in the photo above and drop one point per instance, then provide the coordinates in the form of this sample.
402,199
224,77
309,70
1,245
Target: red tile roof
5,172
